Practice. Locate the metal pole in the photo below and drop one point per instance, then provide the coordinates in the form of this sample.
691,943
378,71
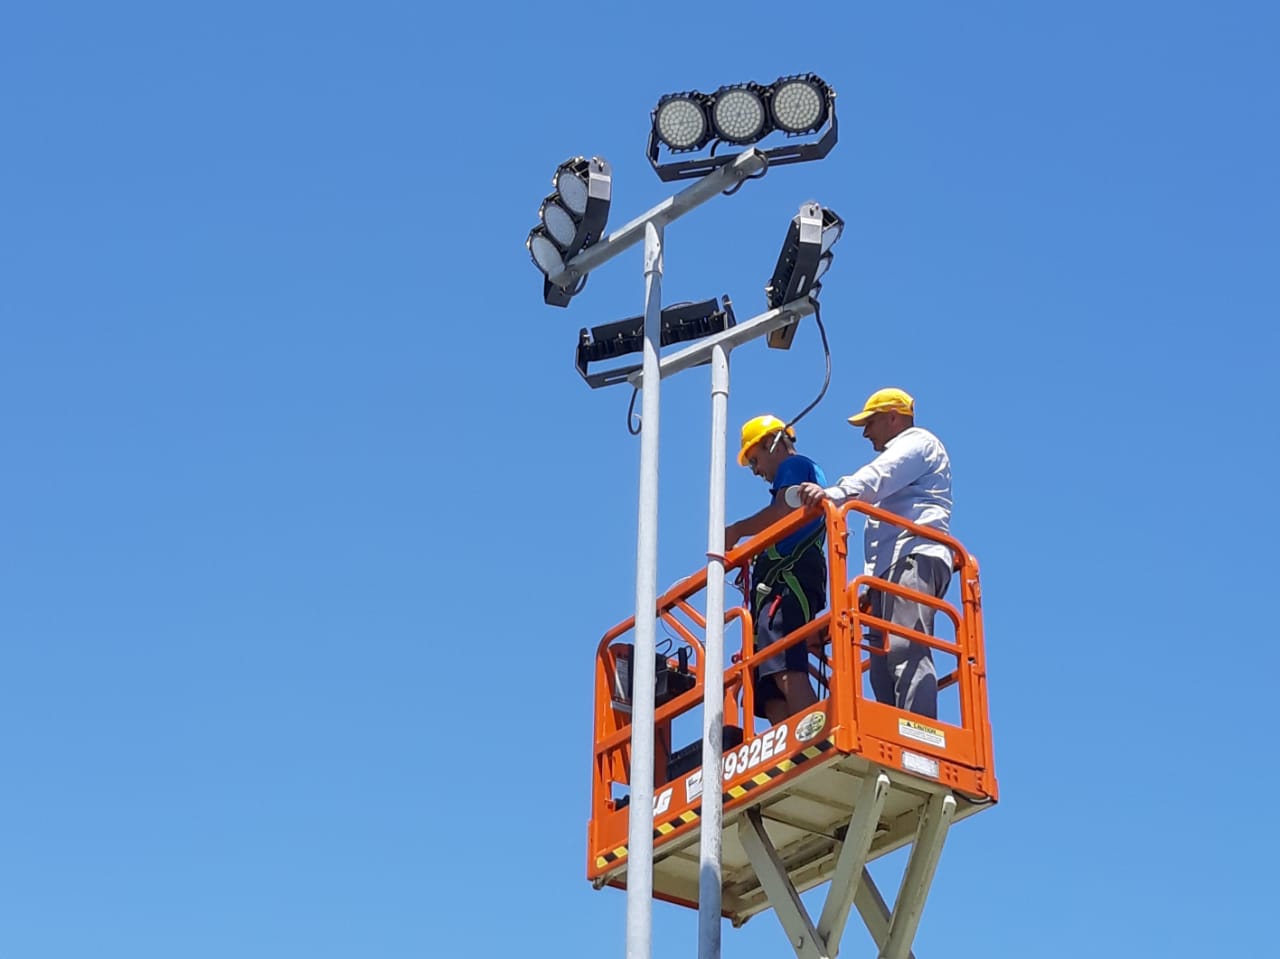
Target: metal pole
640,808
710,874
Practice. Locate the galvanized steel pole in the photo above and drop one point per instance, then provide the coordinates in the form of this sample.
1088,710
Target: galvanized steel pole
710,871
640,808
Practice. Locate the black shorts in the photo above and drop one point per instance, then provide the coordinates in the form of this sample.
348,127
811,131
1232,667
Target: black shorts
781,614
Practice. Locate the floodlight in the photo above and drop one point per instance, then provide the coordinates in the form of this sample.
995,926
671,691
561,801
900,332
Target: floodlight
743,114
545,253
573,189
738,113
560,224
572,218
680,121
806,255
680,324
799,104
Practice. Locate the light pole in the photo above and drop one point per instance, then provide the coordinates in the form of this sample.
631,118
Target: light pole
717,349
566,251
649,227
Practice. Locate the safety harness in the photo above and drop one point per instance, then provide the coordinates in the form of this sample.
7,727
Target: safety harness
779,577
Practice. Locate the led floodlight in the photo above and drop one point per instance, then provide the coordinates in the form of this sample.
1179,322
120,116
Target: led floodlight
743,114
680,122
799,104
806,255
680,324
738,113
572,218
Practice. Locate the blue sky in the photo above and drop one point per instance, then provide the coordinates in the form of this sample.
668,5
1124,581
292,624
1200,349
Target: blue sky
310,528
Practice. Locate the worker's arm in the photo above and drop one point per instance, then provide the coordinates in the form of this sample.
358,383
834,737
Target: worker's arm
897,467
746,528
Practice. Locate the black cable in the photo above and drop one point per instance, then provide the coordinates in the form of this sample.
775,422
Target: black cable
826,381
632,415
635,391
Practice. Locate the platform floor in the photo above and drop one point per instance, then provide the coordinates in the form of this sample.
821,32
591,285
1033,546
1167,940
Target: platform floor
806,819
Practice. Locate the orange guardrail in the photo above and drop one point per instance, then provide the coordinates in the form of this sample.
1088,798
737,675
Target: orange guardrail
853,722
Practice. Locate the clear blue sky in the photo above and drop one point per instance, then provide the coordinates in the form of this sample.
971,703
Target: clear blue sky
309,528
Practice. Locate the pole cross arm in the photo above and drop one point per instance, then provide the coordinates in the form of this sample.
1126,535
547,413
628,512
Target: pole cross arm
672,208
699,353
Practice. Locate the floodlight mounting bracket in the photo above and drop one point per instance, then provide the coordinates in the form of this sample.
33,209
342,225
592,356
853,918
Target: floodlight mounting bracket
774,156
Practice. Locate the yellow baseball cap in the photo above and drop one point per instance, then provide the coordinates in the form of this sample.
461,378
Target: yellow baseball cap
889,400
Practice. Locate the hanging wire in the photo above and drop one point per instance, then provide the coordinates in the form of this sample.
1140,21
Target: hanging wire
826,380
632,415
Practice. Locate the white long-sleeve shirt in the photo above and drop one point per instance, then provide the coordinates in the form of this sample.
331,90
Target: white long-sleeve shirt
912,478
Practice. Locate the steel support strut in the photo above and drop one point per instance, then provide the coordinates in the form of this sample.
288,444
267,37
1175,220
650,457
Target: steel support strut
852,859
851,885
918,877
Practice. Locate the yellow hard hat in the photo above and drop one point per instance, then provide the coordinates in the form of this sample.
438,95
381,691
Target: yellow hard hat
889,400
756,429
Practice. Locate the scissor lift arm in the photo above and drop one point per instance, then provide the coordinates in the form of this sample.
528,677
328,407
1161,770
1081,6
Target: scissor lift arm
851,885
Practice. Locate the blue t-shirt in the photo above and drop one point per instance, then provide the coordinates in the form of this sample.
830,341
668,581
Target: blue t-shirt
793,471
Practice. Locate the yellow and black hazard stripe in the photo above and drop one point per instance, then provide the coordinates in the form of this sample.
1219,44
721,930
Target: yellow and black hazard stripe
734,792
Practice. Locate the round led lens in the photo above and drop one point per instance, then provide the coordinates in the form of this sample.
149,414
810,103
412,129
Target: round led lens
560,225
544,253
797,106
573,191
739,115
681,123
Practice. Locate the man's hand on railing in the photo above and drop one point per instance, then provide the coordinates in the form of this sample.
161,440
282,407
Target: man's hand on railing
811,494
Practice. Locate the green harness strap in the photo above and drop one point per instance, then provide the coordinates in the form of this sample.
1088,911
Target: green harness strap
783,571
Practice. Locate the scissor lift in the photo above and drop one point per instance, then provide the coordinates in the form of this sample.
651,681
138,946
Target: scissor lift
818,796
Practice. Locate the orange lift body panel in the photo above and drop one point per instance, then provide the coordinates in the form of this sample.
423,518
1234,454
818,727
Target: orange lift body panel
845,722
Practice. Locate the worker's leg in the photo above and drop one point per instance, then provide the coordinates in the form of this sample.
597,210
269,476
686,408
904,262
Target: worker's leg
775,710
769,695
797,691
905,676
882,680
791,690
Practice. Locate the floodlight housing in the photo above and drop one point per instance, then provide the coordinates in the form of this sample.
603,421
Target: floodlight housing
545,251
798,104
739,113
559,222
680,324
571,219
806,255
742,114
681,122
